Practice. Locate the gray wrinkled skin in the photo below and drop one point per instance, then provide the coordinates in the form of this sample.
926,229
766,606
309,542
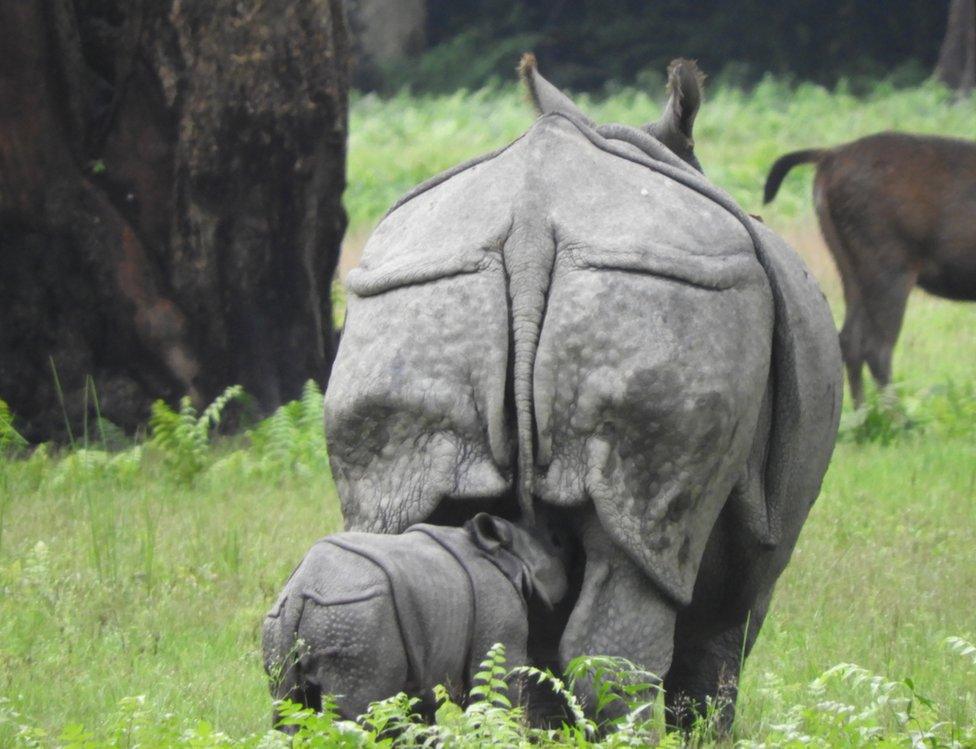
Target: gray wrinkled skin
365,616
582,321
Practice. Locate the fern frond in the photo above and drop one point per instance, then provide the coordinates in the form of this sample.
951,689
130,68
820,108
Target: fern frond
312,408
162,425
292,439
184,436
211,415
559,688
962,647
282,434
9,437
489,681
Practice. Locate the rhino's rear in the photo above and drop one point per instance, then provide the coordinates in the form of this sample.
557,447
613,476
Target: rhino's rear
532,328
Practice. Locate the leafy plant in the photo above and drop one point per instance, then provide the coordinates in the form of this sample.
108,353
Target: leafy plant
892,414
876,711
846,705
10,438
963,648
883,418
322,728
183,437
952,409
292,439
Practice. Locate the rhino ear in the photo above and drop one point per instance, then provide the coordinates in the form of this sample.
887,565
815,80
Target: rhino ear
674,128
546,98
685,84
800,414
490,533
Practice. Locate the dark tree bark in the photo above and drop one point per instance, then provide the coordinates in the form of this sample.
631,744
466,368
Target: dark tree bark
171,177
957,56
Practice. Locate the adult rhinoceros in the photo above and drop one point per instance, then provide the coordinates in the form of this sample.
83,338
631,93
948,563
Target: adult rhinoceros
581,320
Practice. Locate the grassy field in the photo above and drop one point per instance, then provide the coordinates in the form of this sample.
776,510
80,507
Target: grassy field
395,143
133,581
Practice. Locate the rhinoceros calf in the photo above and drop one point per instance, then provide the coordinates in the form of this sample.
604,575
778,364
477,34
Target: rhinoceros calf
365,616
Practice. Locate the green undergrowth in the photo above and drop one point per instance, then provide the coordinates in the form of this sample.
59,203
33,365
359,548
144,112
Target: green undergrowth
134,578
947,409
182,447
847,705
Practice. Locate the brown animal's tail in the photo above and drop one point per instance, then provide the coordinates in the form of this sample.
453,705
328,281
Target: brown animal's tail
783,164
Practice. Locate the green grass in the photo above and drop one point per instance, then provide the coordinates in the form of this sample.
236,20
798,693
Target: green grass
395,143
126,574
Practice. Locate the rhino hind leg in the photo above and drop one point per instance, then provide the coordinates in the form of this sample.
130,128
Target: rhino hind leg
704,676
619,613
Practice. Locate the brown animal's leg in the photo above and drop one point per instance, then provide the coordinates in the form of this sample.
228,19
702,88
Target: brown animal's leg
853,332
852,349
876,258
886,311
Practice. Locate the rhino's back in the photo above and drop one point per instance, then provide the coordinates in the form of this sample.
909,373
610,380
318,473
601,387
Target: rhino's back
556,178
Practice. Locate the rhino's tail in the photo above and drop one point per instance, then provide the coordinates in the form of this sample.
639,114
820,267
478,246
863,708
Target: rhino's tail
529,258
783,164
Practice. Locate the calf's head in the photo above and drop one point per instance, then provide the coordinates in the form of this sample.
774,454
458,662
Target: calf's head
540,555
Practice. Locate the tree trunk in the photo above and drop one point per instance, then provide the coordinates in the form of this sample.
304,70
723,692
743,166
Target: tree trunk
171,177
957,57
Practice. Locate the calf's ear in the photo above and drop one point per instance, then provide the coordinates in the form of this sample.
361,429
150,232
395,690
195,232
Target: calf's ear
490,533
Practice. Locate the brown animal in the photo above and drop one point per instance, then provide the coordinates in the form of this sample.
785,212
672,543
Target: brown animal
895,210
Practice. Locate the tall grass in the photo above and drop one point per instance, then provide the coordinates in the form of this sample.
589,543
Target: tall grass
147,614
397,142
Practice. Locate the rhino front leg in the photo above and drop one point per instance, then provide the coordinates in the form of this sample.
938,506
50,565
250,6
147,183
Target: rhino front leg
619,612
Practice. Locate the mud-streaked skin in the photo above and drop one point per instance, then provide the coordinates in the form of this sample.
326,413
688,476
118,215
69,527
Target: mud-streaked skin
582,321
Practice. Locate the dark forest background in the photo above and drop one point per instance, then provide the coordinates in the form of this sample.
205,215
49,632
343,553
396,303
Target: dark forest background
585,43
172,172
